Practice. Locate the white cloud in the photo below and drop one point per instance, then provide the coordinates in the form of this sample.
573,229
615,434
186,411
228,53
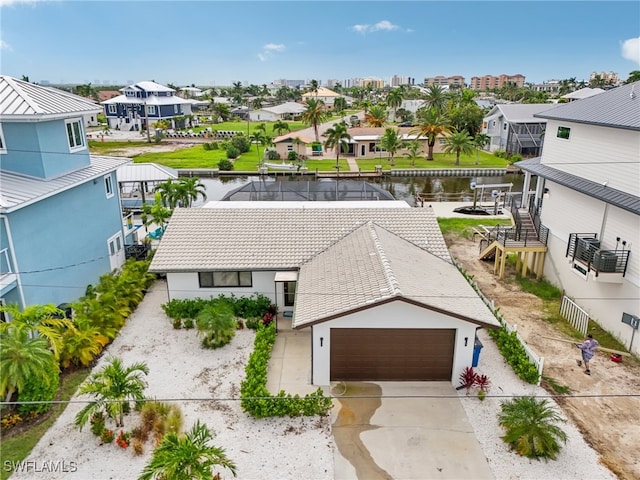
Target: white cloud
5,46
383,25
8,3
269,50
631,49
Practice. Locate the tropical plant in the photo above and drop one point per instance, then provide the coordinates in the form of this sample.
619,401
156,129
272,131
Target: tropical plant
337,138
531,427
81,344
634,76
391,141
435,98
314,115
431,124
189,456
190,190
468,378
340,104
23,358
394,100
111,387
280,126
376,116
44,320
483,383
480,141
413,149
459,142
217,323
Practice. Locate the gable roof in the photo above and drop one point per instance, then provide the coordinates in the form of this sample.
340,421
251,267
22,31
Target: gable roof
322,92
519,112
148,86
618,108
20,100
227,237
583,93
371,266
287,107
19,191
145,172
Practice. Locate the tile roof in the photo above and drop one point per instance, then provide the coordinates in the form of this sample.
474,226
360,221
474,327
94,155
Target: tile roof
371,265
623,200
30,101
618,108
208,239
321,92
19,191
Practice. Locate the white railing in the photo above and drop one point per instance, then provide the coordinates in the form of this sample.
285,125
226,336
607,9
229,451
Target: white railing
576,316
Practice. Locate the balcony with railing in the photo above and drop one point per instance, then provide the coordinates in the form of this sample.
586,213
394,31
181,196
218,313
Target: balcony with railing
588,259
8,279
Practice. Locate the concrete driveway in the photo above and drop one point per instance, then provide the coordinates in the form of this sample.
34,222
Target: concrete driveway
385,430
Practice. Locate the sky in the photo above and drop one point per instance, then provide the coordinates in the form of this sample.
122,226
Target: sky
216,43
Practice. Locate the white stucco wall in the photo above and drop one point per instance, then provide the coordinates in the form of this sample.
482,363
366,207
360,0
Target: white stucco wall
566,211
397,314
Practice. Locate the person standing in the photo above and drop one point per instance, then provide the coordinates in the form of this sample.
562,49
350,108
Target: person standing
588,348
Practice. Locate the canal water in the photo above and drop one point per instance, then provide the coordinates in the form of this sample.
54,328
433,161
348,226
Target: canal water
453,189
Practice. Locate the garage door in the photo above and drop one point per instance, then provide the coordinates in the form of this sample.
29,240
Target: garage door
391,354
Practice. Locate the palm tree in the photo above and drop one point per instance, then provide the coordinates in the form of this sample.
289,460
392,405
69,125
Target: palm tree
480,141
459,142
338,138
431,124
391,141
530,427
155,213
260,138
44,320
436,98
313,87
413,148
111,387
314,115
83,344
188,456
193,188
218,324
340,104
376,116
634,76
22,358
394,101
221,110
280,126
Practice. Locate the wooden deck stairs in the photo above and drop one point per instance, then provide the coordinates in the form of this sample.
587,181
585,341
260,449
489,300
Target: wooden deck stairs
522,239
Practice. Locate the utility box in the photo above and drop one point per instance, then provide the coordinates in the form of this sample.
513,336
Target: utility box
477,346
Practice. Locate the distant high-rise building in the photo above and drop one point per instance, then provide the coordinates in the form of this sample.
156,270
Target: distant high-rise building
374,82
489,81
609,78
397,80
454,80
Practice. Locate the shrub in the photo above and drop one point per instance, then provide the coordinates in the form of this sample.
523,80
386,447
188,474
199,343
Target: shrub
177,323
253,323
188,323
206,146
530,427
39,389
215,146
123,438
468,378
10,420
273,155
483,383
107,436
97,423
232,152
138,447
242,143
225,165
292,156
218,325
516,157
515,354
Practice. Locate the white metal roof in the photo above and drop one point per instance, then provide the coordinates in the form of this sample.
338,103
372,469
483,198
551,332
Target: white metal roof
148,86
20,100
287,107
19,191
145,172
583,93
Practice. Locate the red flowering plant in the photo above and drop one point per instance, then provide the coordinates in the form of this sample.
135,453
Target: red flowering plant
123,439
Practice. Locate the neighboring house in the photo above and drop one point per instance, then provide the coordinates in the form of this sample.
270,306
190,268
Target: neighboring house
587,193
284,111
142,102
582,93
373,280
513,128
324,94
60,219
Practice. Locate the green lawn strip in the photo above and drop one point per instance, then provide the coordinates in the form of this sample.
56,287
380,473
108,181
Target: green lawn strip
441,160
17,447
242,127
464,226
108,147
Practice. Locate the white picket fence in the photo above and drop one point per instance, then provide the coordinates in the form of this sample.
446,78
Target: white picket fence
534,358
575,315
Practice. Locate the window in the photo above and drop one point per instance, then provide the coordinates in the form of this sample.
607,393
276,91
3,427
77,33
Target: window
108,186
113,108
3,148
151,109
564,132
175,109
75,135
504,127
224,279
115,244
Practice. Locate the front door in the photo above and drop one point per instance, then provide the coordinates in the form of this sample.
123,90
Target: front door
289,293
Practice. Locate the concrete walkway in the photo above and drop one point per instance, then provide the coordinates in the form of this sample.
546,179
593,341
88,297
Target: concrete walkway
384,430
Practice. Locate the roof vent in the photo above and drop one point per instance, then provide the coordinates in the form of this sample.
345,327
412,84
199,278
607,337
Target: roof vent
633,93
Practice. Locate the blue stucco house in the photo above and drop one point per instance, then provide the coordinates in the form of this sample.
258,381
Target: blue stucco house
142,102
61,225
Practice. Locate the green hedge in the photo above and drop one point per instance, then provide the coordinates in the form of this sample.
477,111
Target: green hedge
37,390
256,399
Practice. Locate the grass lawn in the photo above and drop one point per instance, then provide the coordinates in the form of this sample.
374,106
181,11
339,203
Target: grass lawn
242,127
107,148
17,447
194,157
441,160
464,226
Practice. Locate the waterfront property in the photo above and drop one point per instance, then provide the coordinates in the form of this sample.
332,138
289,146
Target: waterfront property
50,186
586,193
379,270
513,128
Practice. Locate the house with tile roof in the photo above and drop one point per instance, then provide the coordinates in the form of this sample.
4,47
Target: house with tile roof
322,93
61,226
586,188
513,128
373,280
145,102
284,111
